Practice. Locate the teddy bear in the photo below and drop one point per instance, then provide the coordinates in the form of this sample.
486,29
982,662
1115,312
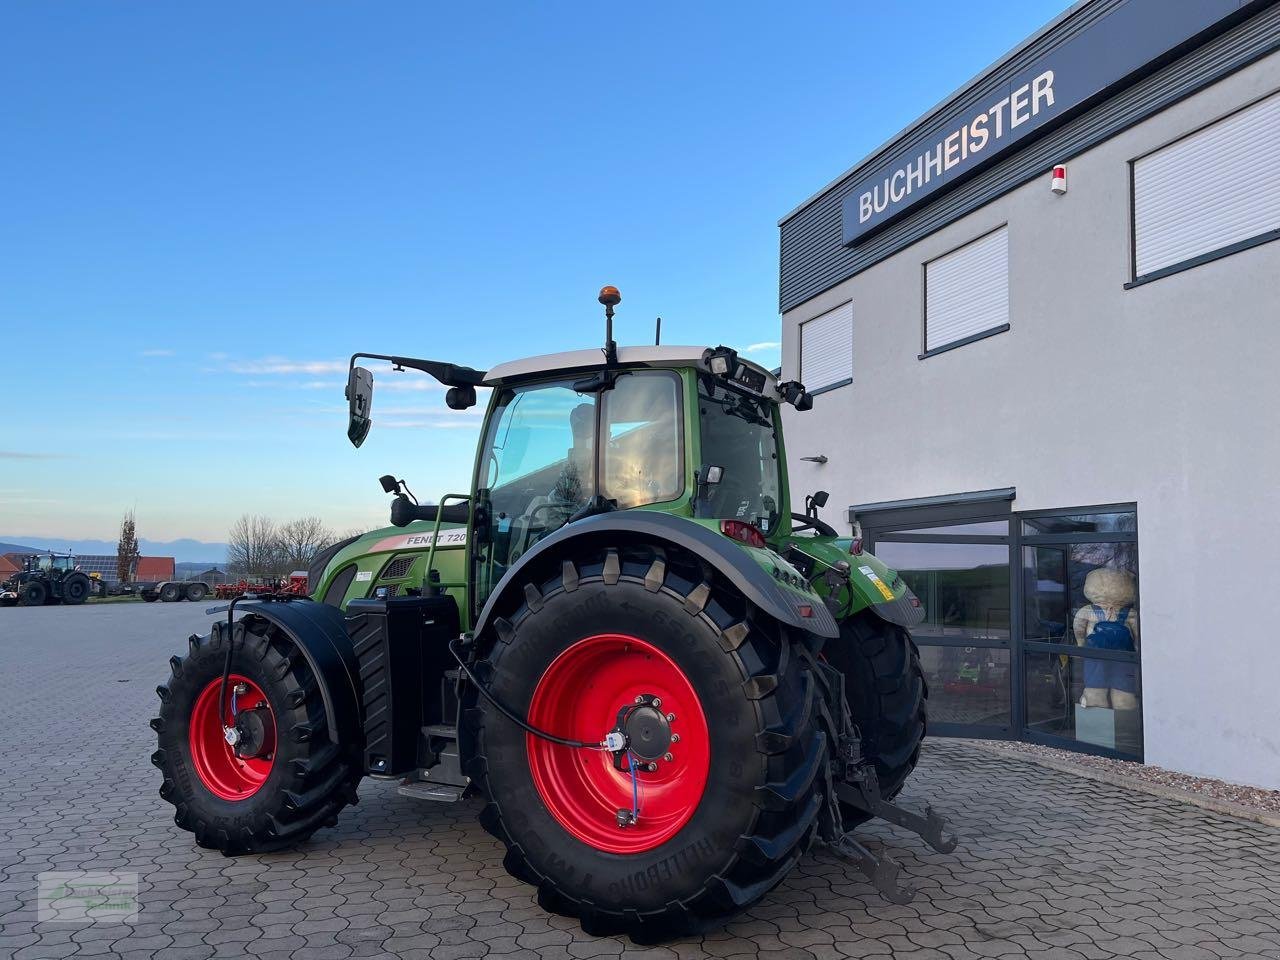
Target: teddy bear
1109,621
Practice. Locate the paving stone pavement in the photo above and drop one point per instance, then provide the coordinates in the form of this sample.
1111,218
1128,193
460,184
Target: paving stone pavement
1050,865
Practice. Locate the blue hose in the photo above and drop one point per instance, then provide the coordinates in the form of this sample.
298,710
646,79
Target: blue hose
635,789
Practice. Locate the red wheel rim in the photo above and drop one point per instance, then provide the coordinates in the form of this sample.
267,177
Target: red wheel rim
226,775
578,698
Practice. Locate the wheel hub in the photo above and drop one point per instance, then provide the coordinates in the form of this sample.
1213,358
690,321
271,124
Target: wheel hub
648,732
256,732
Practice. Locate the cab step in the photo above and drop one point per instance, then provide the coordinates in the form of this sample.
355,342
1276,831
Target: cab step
439,792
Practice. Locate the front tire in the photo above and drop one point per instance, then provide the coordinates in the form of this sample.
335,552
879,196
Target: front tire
723,821
33,594
196,592
295,784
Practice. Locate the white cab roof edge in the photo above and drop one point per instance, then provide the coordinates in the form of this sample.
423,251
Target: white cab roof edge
573,360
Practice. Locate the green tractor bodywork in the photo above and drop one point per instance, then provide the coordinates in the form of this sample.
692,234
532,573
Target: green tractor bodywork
438,556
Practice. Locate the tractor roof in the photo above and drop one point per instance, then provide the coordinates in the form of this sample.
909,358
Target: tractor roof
573,361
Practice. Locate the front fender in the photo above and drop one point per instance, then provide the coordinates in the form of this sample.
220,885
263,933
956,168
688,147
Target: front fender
793,606
319,631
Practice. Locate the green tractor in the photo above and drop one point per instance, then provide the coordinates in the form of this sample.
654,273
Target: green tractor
661,685
47,578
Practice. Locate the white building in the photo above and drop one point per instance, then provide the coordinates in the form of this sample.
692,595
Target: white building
1017,386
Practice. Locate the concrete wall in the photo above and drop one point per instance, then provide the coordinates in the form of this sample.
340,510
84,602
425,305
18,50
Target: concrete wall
1167,394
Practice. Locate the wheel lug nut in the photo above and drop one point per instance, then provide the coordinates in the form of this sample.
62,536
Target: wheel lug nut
667,757
653,767
639,699
675,738
657,702
671,718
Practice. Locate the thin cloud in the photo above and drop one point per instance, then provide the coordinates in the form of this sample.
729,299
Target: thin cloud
156,353
409,384
26,455
767,346
283,365
467,423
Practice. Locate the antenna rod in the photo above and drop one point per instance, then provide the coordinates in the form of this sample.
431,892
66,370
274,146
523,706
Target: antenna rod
657,333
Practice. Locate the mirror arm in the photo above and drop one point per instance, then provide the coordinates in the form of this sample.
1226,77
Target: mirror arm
449,374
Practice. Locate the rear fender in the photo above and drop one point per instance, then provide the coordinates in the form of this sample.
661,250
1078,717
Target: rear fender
785,604
319,631
868,584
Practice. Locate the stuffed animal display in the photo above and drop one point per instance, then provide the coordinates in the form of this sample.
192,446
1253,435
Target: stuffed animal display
1109,621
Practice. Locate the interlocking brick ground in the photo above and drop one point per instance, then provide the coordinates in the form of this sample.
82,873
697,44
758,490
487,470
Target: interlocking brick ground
1050,865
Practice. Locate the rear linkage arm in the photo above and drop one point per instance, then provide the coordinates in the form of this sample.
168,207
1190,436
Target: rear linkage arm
860,788
856,784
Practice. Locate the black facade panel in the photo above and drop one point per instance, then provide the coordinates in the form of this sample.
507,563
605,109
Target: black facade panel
813,257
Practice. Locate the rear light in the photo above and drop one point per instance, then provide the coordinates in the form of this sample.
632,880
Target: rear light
806,610
855,548
743,532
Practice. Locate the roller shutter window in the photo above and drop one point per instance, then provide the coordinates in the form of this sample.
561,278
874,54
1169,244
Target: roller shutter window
967,291
1208,191
826,349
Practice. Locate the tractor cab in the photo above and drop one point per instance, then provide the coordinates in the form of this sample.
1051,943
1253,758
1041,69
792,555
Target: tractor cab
572,435
55,562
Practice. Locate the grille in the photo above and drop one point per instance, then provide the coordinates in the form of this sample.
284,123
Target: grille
399,567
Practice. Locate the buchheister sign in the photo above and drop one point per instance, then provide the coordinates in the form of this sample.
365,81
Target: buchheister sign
984,131
1135,36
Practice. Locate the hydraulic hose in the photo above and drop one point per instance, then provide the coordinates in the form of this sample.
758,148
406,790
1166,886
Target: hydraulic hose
511,715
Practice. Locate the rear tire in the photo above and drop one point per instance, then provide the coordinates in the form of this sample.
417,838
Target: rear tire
171,592
887,695
33,594
196,592
766,759
308,779
75,588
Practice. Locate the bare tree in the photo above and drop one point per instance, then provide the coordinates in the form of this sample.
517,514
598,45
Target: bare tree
300,540
253,547
127,549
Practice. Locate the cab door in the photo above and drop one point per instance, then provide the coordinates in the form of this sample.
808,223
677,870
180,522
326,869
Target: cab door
536,469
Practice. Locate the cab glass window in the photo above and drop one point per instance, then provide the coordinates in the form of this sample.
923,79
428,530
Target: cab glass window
539,466
640,417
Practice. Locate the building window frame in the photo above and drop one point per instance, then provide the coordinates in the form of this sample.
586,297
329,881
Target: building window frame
836,385
1208,256
925,351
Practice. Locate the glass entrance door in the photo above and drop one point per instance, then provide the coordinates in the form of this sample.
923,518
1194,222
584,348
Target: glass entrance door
1032,627
960,572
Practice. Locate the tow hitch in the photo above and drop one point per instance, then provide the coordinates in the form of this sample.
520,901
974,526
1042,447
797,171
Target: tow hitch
859,787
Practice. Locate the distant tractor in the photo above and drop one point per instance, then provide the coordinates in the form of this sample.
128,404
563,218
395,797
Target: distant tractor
47,578
661,684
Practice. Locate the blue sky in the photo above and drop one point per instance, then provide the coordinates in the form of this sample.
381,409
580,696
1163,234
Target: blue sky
205,207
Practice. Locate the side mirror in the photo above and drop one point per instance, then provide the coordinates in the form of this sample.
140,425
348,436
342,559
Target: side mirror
460,398
359,404
820,498
794,393
389,483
